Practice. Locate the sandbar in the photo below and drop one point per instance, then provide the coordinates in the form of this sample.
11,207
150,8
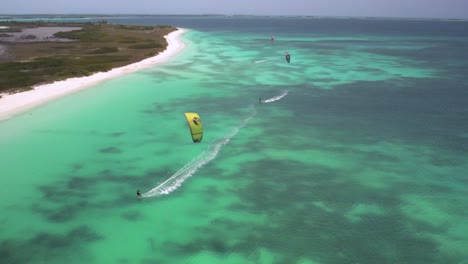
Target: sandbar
12,104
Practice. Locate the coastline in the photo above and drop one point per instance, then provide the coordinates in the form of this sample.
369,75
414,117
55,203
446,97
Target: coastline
12,104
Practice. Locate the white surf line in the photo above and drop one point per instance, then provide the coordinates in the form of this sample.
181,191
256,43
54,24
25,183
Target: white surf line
176,180
276,98
265,60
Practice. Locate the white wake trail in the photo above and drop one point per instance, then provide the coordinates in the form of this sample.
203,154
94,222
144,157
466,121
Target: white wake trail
276,98
260,61
176,180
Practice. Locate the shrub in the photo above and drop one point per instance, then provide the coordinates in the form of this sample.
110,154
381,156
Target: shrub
148,45
29,37
104,50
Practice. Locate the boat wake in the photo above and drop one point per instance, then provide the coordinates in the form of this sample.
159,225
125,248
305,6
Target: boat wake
176,180
276,98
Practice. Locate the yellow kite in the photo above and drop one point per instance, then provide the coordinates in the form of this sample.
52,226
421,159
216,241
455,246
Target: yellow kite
196,127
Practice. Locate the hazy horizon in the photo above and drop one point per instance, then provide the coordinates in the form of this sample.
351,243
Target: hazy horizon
214,14
432,9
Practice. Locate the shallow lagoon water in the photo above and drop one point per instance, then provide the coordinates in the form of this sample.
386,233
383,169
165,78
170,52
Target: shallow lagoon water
359,157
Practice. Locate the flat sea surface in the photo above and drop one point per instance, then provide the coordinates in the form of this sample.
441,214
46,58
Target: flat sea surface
357,154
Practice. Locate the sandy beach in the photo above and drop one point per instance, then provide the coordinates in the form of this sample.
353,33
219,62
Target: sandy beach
20,102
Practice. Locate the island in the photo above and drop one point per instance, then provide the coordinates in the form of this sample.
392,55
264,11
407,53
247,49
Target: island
37,53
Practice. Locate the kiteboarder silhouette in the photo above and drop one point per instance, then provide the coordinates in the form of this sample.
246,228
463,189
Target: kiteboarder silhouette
288,56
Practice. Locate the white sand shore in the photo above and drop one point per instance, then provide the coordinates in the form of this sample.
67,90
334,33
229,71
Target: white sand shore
20,102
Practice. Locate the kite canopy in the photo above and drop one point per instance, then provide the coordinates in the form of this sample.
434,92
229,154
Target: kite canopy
196,127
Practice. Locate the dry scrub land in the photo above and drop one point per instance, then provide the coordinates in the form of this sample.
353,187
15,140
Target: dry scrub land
38,53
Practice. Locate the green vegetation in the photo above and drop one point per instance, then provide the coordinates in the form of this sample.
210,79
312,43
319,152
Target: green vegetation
133,27
48,69
131,40
95,47
89,33
104,50
30,37
147,45
10,29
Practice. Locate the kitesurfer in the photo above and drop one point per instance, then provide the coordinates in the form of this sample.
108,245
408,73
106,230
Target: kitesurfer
138,193
288,56
260,100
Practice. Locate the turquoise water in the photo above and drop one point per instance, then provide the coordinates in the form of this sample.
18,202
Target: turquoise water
358,153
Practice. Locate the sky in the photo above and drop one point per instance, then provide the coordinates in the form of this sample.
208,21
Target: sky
359,8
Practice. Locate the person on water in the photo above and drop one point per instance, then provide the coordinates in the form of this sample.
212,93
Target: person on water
138,193
288,56
260,100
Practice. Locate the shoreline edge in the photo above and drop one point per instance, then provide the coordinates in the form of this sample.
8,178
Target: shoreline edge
13,104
